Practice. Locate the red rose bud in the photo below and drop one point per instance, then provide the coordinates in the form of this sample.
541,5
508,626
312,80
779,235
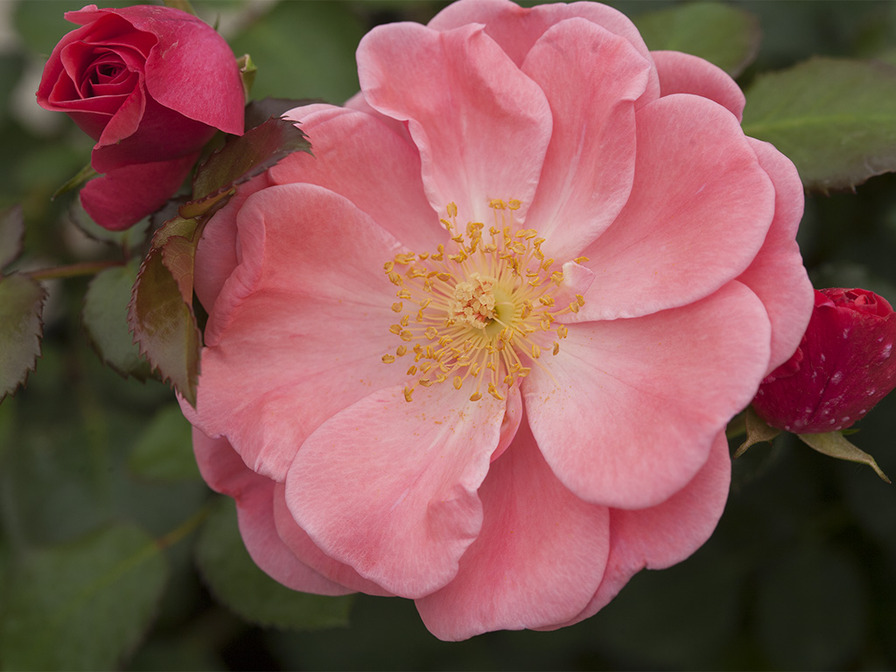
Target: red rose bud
841,369
151,85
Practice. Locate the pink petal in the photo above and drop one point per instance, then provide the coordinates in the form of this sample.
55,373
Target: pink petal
684,73
224,471
665,534
217,252
517,28
389,487
482,127
126,195
377,170
537,561
627,412
777,275
301,545
293,337
699,211
591,78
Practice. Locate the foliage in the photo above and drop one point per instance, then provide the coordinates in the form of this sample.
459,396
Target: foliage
114,553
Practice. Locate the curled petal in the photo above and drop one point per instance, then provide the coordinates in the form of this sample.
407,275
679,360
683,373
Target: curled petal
537,561
685,73
482,127
388,486
628,411
224,471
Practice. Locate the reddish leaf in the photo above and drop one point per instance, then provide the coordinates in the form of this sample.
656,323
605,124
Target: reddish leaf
21,305
164,325
240,159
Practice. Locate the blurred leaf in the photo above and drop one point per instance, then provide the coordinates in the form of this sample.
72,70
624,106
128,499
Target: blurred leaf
304,50
164,325
83,605
810,609
105,318
834,444
12,234
724,35
21,305
86,173
127,239
835,119
242,158
238,583
259,111
164,451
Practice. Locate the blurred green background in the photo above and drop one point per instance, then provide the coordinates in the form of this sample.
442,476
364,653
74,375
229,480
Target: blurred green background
801,573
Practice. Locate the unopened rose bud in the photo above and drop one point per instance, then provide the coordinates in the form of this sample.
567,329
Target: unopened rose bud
841,369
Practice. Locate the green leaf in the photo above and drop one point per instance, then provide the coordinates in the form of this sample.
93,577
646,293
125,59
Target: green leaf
12,234
82,605
240,159
164,325
722,34
21,306
238,583
810,609
164,451
304,50
105,319
835,119
834,444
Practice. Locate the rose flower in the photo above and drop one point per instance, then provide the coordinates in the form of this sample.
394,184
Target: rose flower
151,85
842,368
480,350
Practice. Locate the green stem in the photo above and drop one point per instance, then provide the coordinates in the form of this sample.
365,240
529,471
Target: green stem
72,270
182,530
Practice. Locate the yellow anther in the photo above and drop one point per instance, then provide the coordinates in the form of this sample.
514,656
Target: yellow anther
580,299
395,329
556,348
562,331
389,266
408,391
406,336
536,351
401,350
580,260
405,320
476,396
431,333
388,359
396,307
425,382
492,390
458,382
452,209
403,294
412,370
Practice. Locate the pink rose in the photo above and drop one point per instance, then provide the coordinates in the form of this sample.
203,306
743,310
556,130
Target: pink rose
841,369
151,85
481,349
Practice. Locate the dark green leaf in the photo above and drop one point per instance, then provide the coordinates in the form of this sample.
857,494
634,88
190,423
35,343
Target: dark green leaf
722,34
304,50
835,119
164,451
164,325
83,605
105,318
82,176
241,159
237,582
810,609
21,305
12,233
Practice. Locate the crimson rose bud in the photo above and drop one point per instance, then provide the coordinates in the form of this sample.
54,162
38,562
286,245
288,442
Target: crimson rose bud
151,85
841,369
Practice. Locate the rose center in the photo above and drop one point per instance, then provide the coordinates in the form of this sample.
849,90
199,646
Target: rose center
484,310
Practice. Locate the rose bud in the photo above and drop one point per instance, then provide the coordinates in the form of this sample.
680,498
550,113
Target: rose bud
151,85
841,369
